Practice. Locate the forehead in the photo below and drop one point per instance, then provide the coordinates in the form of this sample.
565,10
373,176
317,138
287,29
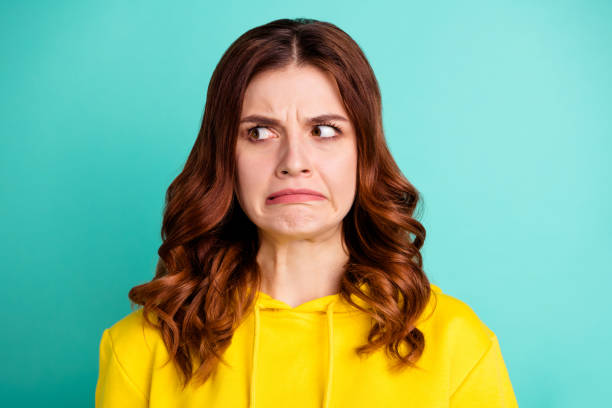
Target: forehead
307,90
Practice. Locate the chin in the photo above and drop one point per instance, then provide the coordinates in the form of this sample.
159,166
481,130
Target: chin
298,227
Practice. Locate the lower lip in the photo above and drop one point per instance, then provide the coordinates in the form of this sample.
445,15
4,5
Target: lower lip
293,198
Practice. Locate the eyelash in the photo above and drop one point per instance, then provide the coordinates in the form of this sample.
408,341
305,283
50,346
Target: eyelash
327,139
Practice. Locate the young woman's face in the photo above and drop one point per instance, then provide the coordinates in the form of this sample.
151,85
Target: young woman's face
290,145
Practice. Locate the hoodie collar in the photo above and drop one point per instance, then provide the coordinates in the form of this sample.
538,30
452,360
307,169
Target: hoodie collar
340,305
329,304
265,301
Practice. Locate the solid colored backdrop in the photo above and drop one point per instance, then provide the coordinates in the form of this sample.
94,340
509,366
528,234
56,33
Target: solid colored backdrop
499,112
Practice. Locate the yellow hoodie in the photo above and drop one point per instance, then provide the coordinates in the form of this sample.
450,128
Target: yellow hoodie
283,356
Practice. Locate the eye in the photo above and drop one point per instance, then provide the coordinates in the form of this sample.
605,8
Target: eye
323,134
253,130
329,134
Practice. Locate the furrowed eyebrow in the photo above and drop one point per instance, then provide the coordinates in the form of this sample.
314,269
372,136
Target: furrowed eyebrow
266,121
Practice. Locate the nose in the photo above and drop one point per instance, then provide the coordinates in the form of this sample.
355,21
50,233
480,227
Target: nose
295,156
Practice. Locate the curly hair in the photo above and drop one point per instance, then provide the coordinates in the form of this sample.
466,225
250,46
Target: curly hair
207,270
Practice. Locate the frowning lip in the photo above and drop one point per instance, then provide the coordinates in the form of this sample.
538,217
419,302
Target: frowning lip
288,191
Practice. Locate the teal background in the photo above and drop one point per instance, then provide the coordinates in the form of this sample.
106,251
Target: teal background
499,112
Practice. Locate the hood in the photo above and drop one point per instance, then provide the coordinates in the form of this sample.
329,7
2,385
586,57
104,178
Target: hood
329,305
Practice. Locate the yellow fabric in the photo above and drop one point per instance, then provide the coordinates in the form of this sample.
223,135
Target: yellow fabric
304,357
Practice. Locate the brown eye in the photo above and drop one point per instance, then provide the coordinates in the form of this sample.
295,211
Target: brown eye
328,134
254,132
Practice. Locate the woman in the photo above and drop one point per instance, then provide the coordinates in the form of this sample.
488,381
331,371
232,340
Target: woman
290,272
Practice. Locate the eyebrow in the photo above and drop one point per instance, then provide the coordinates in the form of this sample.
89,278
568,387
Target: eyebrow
265,121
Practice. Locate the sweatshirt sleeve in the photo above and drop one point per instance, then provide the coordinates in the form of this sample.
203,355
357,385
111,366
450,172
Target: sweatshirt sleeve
487,384
115,388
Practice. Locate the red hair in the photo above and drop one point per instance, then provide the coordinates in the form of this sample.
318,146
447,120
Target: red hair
202,286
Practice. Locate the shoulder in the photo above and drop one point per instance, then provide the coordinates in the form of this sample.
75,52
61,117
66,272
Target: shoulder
134,343
128,350
448,313
455,331
455,315
132,333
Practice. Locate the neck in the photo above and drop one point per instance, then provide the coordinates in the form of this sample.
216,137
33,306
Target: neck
298,269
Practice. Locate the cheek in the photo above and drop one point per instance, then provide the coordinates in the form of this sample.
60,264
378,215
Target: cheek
251,175
342,174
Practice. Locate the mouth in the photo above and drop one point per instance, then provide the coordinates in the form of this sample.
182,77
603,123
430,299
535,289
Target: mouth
294,196
290,191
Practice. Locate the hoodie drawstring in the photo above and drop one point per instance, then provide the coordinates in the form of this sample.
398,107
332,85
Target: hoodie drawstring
254,362
330,355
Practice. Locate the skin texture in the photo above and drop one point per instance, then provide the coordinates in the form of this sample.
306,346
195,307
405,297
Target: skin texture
301,254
